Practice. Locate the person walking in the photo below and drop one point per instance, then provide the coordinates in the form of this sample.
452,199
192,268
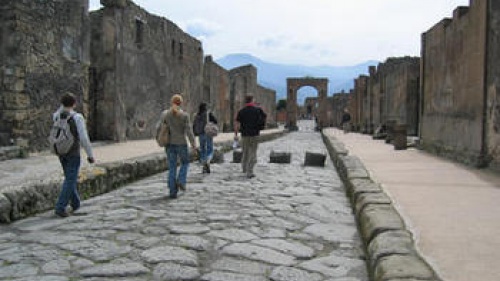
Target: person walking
206,142
177,121
249,121
71,160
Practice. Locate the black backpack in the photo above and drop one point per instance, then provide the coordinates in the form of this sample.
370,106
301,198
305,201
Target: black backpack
199,124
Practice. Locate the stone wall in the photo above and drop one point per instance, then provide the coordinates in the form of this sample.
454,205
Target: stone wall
401,91
375,97
339,101
358,108
453,84
267,100
493,86
243,82
139,61
216,91
43,53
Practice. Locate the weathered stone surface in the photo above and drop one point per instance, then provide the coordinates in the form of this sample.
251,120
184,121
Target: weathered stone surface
353,168
335,266
398,242
314,159
235,235
367,198
258,253
357,187
188,229
18,270
295,249
280,157
377,218
170,254
403,267
282,273
5,208
241,266
225,276
237,154
192,242
331,232
58,266
96,250
115,270
172,271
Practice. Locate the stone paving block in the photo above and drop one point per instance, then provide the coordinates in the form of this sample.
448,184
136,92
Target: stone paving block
377,218
5,209
353,168
314,159
398,242
403,267
218,156
280,157
237,155
365,199
356,187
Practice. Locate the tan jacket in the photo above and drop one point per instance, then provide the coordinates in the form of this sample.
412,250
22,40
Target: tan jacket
179,127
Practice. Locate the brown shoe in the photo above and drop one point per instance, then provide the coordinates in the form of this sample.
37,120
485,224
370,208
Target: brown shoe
180,186
62,214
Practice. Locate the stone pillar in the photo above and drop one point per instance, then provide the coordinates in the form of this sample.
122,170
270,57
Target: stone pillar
399,136
390,130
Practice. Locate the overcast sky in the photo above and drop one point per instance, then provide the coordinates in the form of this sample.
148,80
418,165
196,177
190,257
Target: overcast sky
312,32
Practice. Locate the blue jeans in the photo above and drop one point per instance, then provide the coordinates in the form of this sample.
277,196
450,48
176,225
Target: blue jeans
69,191
175,151
206,148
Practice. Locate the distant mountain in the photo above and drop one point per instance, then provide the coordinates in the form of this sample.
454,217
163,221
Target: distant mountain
274,75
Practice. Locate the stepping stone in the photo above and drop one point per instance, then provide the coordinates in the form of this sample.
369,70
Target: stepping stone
237,155
280,157
315,159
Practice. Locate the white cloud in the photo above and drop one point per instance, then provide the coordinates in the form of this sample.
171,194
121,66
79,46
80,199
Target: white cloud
314,32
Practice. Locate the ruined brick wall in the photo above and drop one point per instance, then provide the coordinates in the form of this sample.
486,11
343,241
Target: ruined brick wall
339,102
376,95
43,54
363,112
493,86
243,81
267,100
139,61
216,92
401,77
452,82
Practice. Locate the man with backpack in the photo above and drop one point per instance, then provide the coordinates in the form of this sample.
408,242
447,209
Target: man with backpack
67,135
249,121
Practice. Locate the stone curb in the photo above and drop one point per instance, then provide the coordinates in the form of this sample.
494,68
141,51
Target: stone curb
389,245
17,202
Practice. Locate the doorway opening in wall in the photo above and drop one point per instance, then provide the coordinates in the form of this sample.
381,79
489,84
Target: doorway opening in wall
307,102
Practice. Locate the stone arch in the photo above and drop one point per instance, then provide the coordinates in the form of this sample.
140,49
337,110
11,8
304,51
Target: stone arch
292,86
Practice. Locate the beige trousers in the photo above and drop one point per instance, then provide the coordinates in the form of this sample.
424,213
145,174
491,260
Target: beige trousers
249,157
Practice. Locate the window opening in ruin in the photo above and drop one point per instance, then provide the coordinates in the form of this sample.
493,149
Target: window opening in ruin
139,33
173,47
181,50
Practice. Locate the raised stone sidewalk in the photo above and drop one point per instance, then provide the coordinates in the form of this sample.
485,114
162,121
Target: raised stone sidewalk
389,245
31,185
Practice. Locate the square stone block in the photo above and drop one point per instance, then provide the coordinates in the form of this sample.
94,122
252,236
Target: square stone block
315,159
237,155
280,157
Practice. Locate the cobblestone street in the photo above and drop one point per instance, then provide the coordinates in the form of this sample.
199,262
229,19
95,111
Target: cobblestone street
289,223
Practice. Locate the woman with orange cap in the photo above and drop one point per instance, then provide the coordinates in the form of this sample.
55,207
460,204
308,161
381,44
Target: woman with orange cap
179,127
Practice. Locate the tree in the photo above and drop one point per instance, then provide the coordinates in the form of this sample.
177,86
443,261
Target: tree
281,105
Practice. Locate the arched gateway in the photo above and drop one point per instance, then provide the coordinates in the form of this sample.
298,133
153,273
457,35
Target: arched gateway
293,85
